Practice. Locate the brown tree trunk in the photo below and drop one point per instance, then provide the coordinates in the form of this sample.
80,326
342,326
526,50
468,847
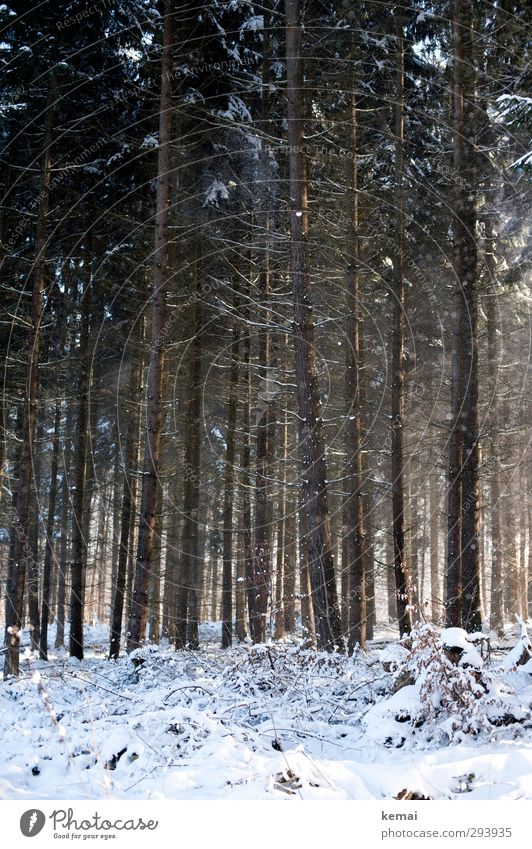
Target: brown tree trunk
139,608
308,631
171,565
434,544
240,586
127,506
63,543
289,602
465,268
190,573
262,551
154,617
246,555
22,549
494,365
50,525
281,539
79,538
313,465
390,577
229,494
402,587
32,582
356,551
369,571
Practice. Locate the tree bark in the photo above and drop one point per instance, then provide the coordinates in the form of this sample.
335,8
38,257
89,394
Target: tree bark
494,365
402,587
22,550
127,508
434,533
289,604
465,268
32,582
262,553
139,609
314,473
190,571
50,525
356,551
229,494
79,538
246,558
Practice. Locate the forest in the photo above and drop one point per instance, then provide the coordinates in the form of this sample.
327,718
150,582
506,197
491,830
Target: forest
265,336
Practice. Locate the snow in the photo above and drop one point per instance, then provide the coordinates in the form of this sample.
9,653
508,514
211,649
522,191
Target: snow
256,722
254,24
457,638
217,191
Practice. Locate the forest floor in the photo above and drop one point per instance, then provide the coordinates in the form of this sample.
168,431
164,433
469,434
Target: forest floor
262,722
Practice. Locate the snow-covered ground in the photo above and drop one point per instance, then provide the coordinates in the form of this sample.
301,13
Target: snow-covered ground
263,722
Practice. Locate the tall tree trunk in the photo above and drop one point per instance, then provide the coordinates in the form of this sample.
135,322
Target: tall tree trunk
289,602
169,626
50,525
402,587
494,365
262,552
465,268
139,609
63,542
246,559
314,473
356,542
154,618
22,549
229,494
79,538
127,508
308,631
192,484
369,571
281,538
390,577
240,586
32,583
434,533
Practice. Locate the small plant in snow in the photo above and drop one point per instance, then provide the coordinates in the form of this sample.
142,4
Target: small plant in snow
447,672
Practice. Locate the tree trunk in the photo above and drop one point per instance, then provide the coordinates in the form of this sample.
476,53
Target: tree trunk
127,506
192,565
465,256
494,365
22,550
171,565
289,603
402,587
79,538
434,532
369,571
32,583
139,609
281,539
63,543
154,618
50,525
308,632
229,494
314,473
356,552
246,558
262,552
